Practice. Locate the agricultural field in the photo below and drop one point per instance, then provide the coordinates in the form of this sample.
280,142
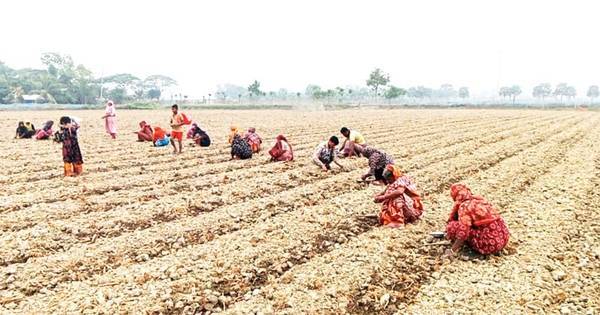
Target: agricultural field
146,231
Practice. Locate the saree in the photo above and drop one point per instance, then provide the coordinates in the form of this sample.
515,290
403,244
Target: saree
475,221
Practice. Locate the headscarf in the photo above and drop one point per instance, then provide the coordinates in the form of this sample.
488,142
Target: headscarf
110,108
392,172
480,211
158,134
232,134
48,125
281,138
29,126
460,192
367,151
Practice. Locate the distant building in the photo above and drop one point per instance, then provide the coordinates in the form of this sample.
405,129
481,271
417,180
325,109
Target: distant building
32,99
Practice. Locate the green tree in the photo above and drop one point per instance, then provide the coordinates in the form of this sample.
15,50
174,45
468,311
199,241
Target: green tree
377,79
118,95
394,92
153,94
311,90
254,88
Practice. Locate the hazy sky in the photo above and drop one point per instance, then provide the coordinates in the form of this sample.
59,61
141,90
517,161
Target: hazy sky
293,43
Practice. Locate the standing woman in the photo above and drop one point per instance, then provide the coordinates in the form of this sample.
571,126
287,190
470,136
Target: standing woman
72,158
110,119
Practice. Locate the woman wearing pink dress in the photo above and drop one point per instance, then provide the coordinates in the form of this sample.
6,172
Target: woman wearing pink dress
110,119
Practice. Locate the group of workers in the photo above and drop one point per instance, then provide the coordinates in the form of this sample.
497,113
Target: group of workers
473,220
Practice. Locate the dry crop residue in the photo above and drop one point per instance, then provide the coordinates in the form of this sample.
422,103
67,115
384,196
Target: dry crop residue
144,231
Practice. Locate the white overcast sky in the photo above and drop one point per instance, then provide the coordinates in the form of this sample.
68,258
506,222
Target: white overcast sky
481,44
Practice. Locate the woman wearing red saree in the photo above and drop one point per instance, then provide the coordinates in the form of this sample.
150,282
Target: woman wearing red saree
145,133
400,201
476,222
282,151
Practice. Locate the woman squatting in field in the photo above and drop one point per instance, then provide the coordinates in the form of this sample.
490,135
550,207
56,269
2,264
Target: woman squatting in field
282,150
253,139
475,222
240,148
378,160
145,133
45,132
400,201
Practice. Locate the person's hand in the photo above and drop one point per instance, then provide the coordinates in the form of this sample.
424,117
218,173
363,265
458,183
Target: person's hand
379,199
324,168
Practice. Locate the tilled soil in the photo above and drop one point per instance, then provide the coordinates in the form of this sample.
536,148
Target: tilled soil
144,231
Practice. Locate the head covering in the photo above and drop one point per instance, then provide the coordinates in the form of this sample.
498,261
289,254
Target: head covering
392,172
109,103
251,130
48,125
158,134
281,137
367,151
234,131
460,192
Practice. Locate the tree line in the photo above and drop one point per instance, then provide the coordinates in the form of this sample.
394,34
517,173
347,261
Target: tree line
377,87
64,82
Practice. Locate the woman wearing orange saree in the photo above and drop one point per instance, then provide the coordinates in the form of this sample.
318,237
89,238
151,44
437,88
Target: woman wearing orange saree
160,138
400,201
